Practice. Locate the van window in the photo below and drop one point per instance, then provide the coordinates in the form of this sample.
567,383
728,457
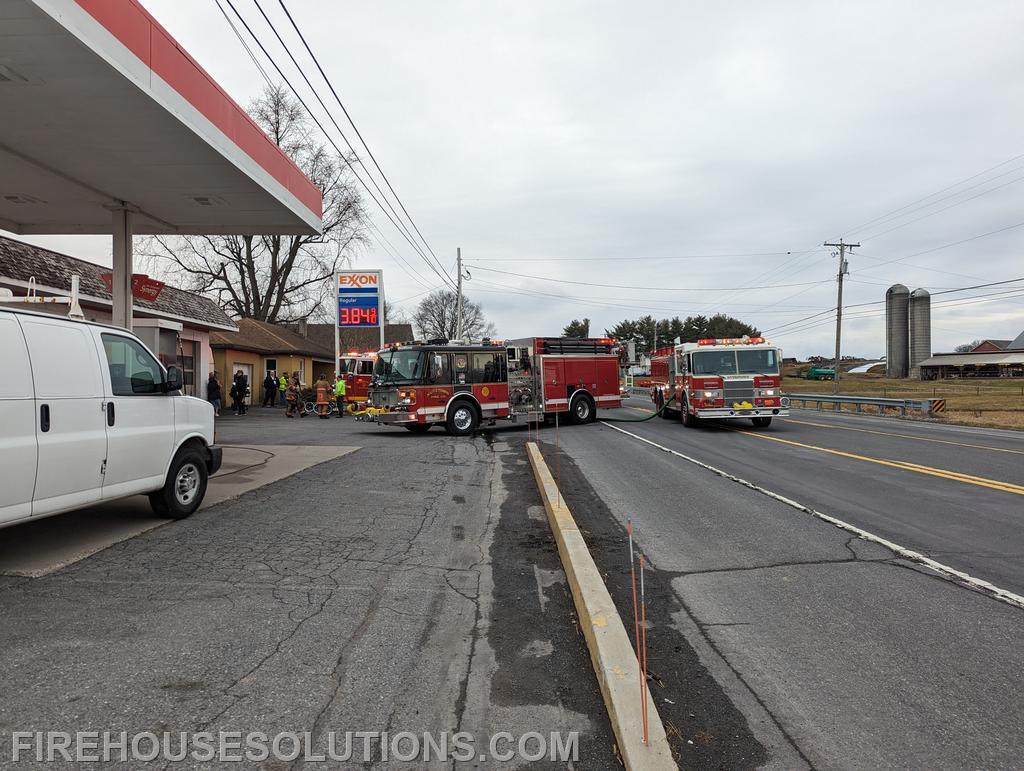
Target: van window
133,371
64,362
17,380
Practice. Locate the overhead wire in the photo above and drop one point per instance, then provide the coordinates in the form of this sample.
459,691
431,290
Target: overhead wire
355,128
327,135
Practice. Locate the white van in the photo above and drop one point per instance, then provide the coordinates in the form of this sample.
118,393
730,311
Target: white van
87,414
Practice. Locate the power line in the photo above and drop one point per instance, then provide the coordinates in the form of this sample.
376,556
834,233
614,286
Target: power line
330,116
356,129
625,259
647,288
946,246
244,44
850,231
328,136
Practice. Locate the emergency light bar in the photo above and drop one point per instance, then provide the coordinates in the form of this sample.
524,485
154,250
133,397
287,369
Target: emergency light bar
731,341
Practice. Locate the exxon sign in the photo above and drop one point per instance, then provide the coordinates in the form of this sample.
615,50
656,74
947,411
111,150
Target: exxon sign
360,298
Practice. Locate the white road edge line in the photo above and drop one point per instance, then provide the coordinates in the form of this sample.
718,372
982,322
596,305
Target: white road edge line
996,592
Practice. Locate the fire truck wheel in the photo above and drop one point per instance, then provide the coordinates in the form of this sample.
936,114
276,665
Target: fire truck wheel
581,410
761,422
462,419
418,428
690,421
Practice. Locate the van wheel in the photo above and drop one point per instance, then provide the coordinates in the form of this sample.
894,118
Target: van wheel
418,428
761,422
462,419
185,487
581,410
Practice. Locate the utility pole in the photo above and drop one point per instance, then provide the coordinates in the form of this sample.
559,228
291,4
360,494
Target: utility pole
843,270
458,302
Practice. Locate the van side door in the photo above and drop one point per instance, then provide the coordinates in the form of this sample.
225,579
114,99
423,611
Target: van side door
71,436
139,417
19,449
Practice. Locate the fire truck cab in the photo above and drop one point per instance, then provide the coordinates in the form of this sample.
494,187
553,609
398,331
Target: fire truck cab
723,378
357,370
461,386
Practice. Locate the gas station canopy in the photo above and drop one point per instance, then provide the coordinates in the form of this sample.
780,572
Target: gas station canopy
106,123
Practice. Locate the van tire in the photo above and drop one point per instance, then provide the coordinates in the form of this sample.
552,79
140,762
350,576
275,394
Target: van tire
581,410
185,487
462,419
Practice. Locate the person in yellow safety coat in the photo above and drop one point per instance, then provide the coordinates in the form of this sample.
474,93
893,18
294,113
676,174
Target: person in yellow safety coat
323,397
339,396
283,387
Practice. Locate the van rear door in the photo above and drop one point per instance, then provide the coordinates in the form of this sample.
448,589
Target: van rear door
19,452
70,426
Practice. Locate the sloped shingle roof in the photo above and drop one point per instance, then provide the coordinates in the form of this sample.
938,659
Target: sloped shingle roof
266,338
20,262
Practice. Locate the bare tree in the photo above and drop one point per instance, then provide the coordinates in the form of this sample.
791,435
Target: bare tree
967,347
276,278
437,316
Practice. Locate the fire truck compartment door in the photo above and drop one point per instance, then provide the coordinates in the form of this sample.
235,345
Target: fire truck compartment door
553,379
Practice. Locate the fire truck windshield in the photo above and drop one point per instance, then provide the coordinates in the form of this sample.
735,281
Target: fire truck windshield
760,361
399,364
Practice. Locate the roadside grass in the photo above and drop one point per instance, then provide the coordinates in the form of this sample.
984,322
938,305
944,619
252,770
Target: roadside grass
994,403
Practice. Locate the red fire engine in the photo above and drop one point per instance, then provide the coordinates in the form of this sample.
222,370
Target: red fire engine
461,385
725,378
357,369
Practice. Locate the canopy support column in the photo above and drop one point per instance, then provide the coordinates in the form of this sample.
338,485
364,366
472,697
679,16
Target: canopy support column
123,265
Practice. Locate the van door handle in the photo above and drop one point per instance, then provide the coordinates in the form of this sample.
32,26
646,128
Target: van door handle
44,417
110,413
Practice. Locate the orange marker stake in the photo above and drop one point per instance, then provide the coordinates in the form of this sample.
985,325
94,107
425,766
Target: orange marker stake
643,632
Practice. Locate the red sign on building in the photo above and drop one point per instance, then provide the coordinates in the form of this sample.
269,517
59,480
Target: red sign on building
143,287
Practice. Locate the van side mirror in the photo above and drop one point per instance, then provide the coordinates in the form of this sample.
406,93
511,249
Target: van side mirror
173,380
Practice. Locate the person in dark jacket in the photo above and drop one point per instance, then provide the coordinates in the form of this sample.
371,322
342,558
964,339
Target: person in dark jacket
270,388
239,390
213,393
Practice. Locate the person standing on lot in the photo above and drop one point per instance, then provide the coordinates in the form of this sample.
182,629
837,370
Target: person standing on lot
270,386
213,393
282,386
239,390
291,398
339,395
323,396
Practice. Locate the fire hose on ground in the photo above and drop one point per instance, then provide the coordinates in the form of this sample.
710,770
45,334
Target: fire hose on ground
655,414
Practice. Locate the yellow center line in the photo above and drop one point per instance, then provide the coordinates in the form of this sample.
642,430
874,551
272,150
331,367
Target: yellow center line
905,436
956,476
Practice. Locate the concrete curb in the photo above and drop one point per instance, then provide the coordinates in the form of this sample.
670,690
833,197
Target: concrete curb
611,653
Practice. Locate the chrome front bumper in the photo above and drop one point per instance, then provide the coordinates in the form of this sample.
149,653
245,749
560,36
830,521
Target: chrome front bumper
725,413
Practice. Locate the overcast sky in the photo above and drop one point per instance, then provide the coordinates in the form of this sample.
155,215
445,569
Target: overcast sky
644,144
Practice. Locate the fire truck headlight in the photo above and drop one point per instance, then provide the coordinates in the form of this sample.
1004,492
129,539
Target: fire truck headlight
765,392
712,394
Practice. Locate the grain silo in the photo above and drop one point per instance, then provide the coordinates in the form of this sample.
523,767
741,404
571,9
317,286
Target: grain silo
897,336
920,316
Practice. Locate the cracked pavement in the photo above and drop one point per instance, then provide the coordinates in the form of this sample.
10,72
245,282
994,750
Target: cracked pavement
777,639
394,589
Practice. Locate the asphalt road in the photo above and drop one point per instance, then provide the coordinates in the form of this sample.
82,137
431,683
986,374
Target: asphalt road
837,652
952,493
411,585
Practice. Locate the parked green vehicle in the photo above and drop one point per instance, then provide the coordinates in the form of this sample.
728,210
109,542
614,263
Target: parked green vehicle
820,373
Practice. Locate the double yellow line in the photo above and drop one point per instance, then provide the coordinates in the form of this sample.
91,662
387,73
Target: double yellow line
956,476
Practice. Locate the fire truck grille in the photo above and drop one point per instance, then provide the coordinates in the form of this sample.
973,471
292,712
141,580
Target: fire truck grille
739,390
384,397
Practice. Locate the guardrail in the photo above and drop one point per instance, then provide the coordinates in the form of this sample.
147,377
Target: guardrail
929,407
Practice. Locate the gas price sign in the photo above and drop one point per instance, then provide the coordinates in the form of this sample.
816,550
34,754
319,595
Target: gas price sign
360,298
